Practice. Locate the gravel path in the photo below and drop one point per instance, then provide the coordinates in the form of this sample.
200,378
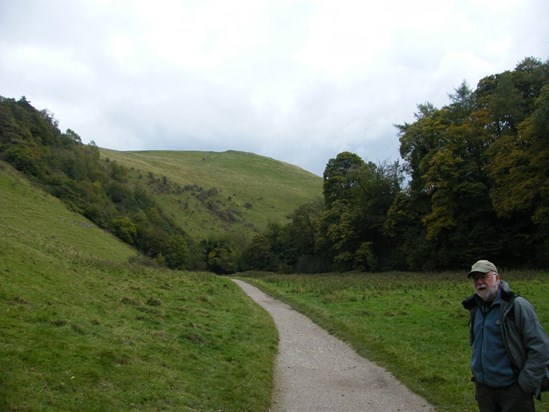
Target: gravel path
315,371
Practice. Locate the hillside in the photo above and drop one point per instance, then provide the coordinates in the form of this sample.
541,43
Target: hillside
182,210
82,330
35,220
212,193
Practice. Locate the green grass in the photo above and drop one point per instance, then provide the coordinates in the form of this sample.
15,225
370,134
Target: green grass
80,329
27,213
257,190
411,323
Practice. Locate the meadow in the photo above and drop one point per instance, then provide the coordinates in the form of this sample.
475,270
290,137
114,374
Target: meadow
413,324
81,329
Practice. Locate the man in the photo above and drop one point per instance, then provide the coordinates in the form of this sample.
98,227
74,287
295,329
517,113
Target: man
510,347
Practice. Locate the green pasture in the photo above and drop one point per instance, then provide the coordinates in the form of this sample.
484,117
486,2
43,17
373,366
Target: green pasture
83,330
413,324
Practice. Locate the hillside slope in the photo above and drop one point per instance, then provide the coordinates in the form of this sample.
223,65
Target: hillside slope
212,193
81,330
34,219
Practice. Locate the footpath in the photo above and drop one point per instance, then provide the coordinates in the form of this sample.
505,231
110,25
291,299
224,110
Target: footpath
315,371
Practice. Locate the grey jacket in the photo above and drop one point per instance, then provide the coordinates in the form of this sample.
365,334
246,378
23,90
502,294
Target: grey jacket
525,339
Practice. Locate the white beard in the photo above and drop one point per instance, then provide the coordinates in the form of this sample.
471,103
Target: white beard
488,294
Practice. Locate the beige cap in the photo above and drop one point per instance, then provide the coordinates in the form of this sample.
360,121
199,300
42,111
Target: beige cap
482,266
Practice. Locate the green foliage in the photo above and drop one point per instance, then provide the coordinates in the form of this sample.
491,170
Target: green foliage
413,324
477,169
25,158
341,177
258,255
177,254
220,261
478,173
125,229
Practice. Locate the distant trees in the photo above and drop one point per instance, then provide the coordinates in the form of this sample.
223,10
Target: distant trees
343,231
478,186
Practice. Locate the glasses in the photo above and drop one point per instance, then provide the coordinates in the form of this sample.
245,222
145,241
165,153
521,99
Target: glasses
479,276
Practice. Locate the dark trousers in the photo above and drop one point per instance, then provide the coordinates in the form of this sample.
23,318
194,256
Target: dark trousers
509,399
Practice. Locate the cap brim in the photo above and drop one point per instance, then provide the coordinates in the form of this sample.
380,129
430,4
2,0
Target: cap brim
471,274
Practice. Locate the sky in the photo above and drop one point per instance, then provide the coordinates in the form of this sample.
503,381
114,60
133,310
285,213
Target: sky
296,80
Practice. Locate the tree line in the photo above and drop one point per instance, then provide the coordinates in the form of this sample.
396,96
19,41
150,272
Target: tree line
61,164
473,183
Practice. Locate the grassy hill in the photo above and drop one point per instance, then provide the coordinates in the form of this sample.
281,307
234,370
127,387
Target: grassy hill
80,329
35,221
211,193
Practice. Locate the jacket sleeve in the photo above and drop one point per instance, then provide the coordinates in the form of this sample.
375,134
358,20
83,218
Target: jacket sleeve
536,347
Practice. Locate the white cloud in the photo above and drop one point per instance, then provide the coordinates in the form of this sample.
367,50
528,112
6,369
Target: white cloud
297,80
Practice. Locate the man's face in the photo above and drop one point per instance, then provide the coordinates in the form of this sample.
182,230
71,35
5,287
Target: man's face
486,285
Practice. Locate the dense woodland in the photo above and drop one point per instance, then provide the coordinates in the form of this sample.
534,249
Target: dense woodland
477,186
474,183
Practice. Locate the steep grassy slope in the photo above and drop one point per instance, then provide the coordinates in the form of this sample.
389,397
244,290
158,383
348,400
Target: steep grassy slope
213,193
81,330
35,219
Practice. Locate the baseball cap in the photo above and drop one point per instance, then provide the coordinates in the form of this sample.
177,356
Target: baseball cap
482,266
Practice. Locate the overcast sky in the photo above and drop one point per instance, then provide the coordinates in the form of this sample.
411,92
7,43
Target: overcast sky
299,81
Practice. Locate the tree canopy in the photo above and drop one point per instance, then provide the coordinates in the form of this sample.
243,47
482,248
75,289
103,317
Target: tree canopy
477,185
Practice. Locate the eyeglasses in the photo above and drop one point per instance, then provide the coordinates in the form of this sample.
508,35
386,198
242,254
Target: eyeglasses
478,275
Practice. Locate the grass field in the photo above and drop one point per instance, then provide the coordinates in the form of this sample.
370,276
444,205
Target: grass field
413,324
83,330
245,191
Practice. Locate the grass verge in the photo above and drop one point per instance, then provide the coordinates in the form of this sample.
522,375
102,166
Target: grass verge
413,324
104,336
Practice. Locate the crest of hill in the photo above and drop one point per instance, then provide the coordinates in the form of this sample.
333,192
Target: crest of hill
211,193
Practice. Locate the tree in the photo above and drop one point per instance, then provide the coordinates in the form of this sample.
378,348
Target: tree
303,227
519,168
340,177
177,253
463,103
124,229
258,255
403,226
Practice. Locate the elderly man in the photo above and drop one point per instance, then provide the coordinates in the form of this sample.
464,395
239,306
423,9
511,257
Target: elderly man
510,347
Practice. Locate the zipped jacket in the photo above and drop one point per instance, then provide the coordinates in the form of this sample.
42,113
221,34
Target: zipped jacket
525,340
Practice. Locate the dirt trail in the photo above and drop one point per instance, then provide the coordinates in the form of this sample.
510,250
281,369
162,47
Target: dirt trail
315,371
